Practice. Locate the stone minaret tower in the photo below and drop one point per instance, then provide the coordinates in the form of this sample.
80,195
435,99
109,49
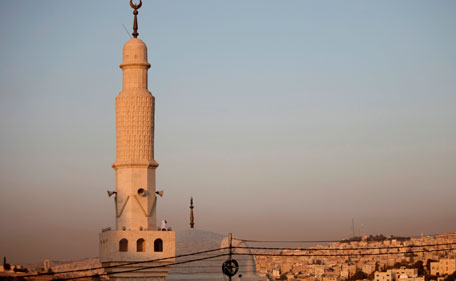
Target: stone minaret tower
136,237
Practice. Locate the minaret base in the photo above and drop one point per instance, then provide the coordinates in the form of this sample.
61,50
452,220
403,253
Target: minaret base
137,255
143,272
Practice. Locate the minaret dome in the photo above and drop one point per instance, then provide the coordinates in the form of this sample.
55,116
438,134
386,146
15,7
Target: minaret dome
134,64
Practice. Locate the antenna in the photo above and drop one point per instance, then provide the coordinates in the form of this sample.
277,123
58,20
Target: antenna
126,30
353,227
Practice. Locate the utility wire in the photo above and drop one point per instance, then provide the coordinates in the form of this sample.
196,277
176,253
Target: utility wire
218,265
339,255
126,264
205,272
142,268
251,254
320,241
238,254
345,249
194,266
186,273
126,30
256,248
287,241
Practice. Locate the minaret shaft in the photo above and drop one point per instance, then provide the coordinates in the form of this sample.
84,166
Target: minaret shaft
135,165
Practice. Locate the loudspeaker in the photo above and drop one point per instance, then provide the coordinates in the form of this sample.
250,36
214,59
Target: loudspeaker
110,193
142,192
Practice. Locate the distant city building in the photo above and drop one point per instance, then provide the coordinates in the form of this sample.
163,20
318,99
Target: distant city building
368,268
397,272
404,277
331,278
443,267
383,276
378,254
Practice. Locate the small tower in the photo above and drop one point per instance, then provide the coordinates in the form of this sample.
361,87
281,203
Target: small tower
192,217
136,237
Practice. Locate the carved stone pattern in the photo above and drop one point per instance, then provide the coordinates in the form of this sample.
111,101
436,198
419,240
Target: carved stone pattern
134,128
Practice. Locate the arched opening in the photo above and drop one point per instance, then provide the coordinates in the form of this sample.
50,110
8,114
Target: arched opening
140,245
158,245
123,245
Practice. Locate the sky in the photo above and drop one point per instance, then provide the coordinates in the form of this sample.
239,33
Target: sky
283,119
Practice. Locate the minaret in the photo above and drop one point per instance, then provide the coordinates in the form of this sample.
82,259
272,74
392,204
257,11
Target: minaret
192,217
136,237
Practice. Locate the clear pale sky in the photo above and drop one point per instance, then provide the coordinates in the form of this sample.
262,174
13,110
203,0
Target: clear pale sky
283,119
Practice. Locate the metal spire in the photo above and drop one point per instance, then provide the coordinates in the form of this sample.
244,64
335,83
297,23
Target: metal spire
192,218
135,12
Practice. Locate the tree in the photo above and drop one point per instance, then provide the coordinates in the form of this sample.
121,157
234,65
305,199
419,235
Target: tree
359,275
96,277
6,266
428,264
451,277
419,265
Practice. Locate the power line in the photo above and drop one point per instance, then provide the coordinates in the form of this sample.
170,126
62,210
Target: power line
143,268
264,248
126,264
346,249
339,255
209,272
198,272
252,254
318,241
192,266
286,241
269,254
218,265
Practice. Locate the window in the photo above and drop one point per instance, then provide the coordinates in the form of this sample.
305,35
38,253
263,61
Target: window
158,245
140,245
123,245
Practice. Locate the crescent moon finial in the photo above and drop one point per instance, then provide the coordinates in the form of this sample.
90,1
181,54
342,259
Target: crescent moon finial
135,21
136,6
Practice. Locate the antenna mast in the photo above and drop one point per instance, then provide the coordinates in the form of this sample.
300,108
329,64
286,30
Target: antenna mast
353,227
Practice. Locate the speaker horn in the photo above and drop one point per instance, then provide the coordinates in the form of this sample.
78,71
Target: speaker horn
159,193
142,192
111,193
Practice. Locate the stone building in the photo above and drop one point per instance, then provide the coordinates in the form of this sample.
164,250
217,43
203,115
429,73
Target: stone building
368,268
397,272
383,276
443,267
